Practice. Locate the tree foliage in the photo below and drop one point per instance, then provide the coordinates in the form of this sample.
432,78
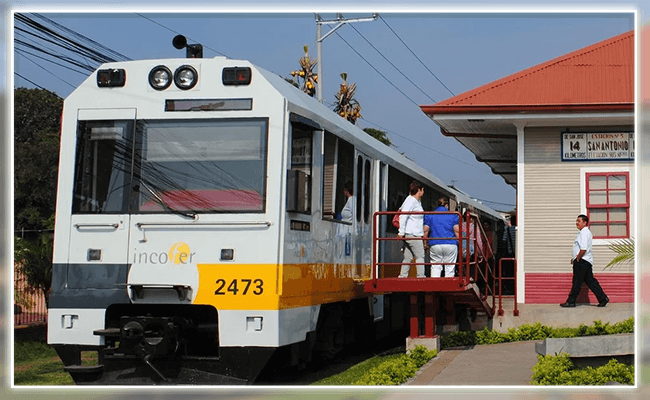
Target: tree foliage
306,73
379,135
346,104
37,262
37,124
624,249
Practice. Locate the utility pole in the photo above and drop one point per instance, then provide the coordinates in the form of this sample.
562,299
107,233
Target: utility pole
339,21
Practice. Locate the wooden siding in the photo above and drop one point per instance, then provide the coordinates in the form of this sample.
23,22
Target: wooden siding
554,288
552,203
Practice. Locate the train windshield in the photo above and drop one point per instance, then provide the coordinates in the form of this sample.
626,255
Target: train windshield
163,166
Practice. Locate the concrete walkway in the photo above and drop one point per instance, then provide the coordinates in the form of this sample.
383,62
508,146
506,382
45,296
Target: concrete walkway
510,364
495,364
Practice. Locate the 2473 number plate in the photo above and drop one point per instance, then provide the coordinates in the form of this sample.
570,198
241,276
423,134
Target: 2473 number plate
240,286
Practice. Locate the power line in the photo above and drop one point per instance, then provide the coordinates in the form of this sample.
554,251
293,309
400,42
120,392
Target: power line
422,145
33,83
446,155
59,40
60,46
178,33
117,56
418,58
393,65
45,69
371,66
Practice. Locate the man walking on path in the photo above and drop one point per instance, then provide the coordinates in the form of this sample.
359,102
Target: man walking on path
582,261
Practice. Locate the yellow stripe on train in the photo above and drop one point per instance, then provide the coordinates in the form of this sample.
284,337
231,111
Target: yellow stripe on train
269,287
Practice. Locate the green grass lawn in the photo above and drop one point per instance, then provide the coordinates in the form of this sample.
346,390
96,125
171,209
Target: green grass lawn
353,374
37,364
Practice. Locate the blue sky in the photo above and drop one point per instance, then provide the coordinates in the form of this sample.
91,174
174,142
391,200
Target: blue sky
463,50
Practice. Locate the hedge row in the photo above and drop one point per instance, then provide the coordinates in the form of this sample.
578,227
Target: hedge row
399,370
536,331
559,370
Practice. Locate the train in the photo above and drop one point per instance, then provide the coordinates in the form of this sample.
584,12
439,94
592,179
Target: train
196,237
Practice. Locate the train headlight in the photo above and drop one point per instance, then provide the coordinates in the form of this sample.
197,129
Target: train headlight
160,77
185,77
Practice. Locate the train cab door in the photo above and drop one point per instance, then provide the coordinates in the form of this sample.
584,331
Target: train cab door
98,231
365,208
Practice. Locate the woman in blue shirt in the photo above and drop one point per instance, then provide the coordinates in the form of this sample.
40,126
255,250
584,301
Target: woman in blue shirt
444,250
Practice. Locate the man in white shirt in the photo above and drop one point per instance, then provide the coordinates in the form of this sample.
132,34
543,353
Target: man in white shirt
412,226
582,261
348,211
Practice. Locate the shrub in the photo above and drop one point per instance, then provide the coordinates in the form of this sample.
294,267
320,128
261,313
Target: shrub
420,355
487,336
559,370
399,370
536,331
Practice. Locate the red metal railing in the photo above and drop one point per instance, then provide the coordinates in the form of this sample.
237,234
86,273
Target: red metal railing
29,303
376,239
500,295
477,266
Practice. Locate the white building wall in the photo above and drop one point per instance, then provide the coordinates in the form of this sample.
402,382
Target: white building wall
554,197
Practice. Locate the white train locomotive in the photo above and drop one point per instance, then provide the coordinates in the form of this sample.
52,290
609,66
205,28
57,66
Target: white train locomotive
196,227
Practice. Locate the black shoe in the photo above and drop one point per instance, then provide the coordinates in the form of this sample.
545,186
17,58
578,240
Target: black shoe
567,304
604,302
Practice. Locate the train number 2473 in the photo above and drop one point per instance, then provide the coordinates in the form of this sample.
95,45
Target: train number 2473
246,286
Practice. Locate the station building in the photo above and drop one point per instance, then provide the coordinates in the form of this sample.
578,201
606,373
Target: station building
562,134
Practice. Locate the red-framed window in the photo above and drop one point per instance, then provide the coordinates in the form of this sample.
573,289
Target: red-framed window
608,204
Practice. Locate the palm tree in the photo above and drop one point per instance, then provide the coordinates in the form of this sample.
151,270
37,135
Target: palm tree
346,105
624,249
306,73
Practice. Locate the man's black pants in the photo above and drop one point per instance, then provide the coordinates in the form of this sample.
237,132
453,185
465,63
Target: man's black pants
582,272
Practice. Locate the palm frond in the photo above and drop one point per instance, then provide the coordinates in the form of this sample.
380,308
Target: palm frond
624,249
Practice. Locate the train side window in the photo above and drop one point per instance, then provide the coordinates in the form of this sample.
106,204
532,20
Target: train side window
366,192
102,170
359,185
338,169
300,174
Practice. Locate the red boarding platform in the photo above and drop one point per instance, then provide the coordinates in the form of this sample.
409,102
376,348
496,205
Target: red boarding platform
478,287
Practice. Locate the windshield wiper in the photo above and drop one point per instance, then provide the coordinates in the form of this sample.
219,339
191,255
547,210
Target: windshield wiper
161,202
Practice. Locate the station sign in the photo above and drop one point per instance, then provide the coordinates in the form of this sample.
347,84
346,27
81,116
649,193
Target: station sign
602,146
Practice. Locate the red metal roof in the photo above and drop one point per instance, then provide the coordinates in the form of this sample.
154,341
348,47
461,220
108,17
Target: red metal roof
597,77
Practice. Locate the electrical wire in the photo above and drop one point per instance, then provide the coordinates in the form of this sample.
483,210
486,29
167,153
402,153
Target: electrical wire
117,56
376,70
393,65
178,33
414,55
60,46
45,69
32,82
423,145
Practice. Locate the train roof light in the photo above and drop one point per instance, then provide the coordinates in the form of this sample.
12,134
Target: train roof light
236,76
160,77
185,77
111,77
192,50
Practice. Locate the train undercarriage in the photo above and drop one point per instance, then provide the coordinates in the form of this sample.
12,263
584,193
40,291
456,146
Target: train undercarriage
169,345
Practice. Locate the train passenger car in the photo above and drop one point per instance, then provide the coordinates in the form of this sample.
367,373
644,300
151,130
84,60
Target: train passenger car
197,231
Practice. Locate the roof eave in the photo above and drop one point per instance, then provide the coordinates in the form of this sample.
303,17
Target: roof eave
538,108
